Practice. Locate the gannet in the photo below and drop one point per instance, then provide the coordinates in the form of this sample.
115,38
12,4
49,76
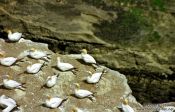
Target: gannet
64,66
35,68
81,93
87,58
54,102
51,80
125,107
95,78
7,103
37,54
13,37
8,83
167,109
8,61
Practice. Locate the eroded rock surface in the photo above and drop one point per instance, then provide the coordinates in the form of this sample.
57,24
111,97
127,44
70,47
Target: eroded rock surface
109,90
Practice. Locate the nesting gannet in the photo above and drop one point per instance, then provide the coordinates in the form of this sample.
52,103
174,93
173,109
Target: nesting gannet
8,83
7,103
125,107
37,54
35,68
81,93
8,61
54,102
14,36
51,80
87,58
167,109
64,66
95,78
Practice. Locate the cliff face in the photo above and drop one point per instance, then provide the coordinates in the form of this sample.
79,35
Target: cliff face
112,86
134,37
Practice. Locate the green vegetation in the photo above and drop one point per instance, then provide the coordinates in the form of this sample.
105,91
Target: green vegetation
158,4
154,36
126,27
145,4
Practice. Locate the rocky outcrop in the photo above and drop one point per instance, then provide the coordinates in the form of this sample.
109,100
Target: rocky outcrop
123,36
112,86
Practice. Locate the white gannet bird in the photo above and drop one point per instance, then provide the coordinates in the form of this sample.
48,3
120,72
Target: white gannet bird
8,61
86,57
8,83
51,80
81,93
54,102
35,68
64,66
14,37
38,54
95,78
8,103
167,109
125,107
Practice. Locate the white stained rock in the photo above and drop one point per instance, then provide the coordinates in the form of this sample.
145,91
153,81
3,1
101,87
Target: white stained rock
167,109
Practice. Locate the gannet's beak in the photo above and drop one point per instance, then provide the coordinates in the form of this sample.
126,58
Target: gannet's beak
49,77
49,97
89,72
125,101
32,50
2,53
77,85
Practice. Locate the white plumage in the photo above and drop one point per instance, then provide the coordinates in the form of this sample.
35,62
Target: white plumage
125,107
64,66
51,80
87,58
8,61
14,36
54,102
81,93
37,54
11,84
35,68
94,78
7,103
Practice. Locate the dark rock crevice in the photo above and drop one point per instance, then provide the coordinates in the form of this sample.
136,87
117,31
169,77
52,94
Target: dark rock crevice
150,87
64,46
